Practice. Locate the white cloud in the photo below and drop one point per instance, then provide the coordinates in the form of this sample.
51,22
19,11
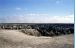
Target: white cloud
39,18
57,2
37,14
18,8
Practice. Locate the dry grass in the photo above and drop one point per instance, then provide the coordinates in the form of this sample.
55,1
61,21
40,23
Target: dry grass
16,39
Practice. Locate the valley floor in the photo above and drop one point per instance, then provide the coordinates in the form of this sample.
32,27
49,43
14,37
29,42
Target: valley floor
17,39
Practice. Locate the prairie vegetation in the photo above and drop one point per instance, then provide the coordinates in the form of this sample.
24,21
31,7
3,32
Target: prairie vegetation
41,29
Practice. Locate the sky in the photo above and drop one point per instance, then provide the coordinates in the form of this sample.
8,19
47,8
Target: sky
36,11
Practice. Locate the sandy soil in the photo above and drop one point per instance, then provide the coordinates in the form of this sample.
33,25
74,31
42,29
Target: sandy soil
17,39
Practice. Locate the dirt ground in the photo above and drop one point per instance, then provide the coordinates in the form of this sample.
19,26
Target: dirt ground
17,39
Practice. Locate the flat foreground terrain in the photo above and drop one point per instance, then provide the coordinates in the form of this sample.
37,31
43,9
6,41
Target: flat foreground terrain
17,39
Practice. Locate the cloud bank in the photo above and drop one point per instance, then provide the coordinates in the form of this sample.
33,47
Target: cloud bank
37,18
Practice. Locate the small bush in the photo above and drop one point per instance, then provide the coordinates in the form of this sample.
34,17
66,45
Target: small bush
32,32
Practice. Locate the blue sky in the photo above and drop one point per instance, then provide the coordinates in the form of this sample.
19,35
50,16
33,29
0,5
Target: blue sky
36,11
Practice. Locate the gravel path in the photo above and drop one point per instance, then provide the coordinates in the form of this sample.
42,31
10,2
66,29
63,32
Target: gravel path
16,39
